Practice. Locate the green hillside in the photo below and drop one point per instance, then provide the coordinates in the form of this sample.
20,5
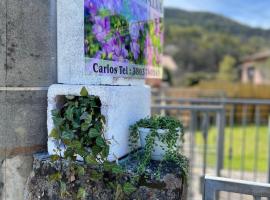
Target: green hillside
211,22
199,41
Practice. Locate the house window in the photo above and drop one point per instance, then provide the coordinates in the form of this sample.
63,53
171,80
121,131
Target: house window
250,74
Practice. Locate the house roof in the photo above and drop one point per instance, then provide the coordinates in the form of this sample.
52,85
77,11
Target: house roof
169,63
256,56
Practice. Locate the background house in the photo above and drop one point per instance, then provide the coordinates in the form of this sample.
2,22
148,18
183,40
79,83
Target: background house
169,66
255,68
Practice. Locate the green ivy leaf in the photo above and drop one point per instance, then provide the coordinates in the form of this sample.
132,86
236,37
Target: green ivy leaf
116,169
58,121
80,170
105,151
81,193
67,135
91,160
128,188
69,153
55,158
95,176
96,150
108,165
76,144
100,142
55,177
76,125
93,133
82,152
85,126
89,119
55,113
54,134
69,113
84,92
83,109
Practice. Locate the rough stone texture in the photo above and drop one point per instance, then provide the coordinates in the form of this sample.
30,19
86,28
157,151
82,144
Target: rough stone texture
2,41
1,177
170,187
27,59
22,121
31,38
15,172
22,131
121,105
70,45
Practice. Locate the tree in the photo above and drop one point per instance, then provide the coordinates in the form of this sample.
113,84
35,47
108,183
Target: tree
227,70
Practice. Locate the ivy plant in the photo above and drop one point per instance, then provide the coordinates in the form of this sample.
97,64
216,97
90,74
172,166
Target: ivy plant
174,133
79,128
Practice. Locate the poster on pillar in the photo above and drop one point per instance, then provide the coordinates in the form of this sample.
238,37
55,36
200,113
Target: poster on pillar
115,42
123,38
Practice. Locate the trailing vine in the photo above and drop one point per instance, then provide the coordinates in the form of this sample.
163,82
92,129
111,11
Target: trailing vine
78,133
173,138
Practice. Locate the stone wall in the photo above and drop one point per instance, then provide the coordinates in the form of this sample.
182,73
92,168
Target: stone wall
27,68
170,186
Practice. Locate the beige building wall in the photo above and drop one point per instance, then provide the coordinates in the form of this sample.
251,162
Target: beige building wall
257,78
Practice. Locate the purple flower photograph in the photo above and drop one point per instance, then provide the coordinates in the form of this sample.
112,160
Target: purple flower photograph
123,31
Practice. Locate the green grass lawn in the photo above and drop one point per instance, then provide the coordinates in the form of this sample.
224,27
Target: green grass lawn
236,142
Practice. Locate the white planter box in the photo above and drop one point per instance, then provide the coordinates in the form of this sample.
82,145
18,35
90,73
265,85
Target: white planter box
121,105
160,149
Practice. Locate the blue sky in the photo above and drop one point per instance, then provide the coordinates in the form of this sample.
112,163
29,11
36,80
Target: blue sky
255,13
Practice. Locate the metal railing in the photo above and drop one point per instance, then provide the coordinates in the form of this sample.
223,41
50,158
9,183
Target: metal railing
205,109
244,120
213,185
194,110
239,112
214,100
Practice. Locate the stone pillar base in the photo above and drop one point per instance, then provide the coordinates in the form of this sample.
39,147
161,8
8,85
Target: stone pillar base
171,186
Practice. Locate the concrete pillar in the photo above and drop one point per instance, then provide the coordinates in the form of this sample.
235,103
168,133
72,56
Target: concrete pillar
27,68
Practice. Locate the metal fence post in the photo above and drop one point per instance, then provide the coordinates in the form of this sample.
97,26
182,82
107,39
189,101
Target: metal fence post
269,150
220,141
191,149
205,138
209,193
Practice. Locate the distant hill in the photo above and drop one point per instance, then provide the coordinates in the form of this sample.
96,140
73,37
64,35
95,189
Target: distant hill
200,41
211,22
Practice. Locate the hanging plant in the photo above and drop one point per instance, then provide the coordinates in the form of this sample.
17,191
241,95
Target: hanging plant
161,139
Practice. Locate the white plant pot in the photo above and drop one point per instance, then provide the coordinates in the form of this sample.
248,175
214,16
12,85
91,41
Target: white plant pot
160,148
